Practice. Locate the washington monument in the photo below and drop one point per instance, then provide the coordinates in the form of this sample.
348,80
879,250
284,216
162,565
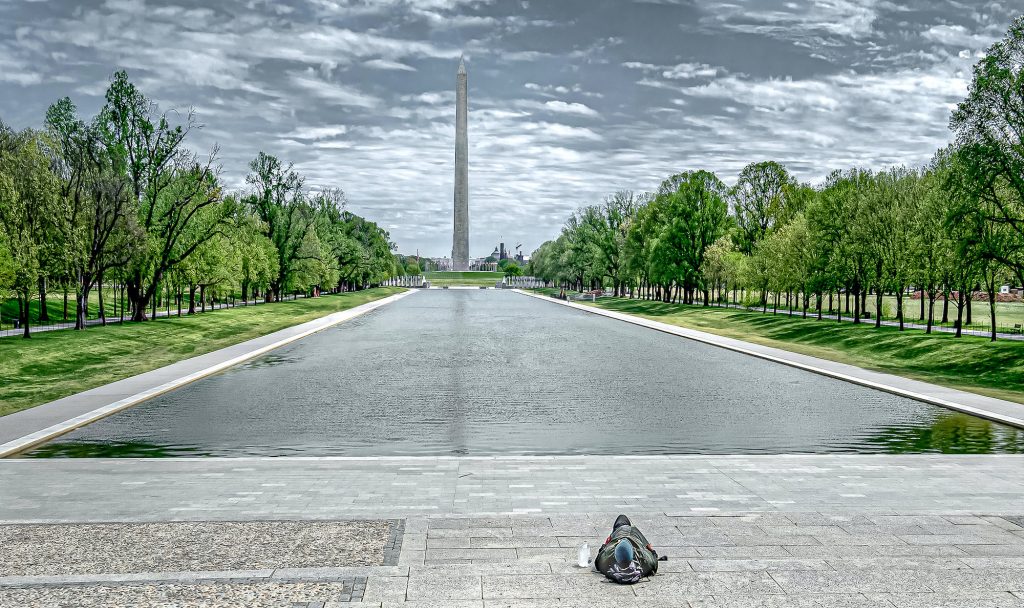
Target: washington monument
460,239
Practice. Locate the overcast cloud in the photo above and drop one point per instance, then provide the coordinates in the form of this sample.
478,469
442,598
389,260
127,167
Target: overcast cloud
569,100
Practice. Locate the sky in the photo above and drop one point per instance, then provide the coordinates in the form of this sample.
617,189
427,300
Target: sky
569,100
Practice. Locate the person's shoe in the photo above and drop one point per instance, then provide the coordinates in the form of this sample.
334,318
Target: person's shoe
621,520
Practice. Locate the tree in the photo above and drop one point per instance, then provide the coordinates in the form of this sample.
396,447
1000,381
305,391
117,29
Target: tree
888,221
279,200
932,249
606,228
98,232
693,216
28,205
760,200
512,269
989,127
177,197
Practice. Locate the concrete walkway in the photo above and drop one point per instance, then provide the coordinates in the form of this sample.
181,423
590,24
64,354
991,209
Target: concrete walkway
752,531
999,410
35,425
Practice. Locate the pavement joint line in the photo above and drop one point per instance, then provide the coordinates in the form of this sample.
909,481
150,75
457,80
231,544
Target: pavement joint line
293,575
32,439
723,342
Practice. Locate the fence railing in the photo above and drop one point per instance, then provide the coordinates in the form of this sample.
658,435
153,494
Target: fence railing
406,281
10,327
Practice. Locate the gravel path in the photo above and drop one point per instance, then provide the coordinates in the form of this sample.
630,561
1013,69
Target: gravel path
255,595
120,548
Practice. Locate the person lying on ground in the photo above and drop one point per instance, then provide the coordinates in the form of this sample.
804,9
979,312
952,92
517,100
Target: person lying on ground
626,556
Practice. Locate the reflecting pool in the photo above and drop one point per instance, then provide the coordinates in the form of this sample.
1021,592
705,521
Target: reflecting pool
475,372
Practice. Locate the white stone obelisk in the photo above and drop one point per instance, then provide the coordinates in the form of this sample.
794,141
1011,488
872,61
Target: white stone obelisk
460,240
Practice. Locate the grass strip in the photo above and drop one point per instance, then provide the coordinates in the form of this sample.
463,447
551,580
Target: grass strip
969,363
56,364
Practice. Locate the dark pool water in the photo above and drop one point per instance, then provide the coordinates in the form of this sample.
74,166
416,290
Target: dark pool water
489,372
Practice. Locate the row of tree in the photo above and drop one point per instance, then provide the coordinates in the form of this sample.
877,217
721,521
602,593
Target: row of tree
945,230
121,200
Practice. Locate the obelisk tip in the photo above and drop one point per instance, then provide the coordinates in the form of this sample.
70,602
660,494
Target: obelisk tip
462,64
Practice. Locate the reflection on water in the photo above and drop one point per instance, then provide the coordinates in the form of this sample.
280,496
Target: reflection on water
486,372
952,434
112,449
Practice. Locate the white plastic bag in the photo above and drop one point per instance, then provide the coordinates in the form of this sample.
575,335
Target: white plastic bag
584,556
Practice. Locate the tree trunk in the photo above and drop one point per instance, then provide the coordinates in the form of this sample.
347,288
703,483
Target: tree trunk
899,307
202,298
960,313
990,288
945,306
856,303
191,299
922,306
81,301
970,299
931,310
99,293
44,314
878,307
992,306
25,315
137,298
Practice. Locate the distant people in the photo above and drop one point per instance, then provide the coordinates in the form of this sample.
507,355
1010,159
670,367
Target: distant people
626,556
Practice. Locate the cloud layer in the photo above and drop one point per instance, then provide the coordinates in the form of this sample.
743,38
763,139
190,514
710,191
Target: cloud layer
569,100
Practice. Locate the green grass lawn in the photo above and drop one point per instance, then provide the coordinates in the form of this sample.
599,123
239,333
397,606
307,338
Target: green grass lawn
471,278
968,363
55,364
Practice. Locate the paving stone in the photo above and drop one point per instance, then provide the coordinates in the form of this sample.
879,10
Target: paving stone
429,604
858,551
816,600
514,543
943,600
992,550
381,588
553,586
755,565
898,563
434,588
975,581
702,584
855,581
755,552
470,554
